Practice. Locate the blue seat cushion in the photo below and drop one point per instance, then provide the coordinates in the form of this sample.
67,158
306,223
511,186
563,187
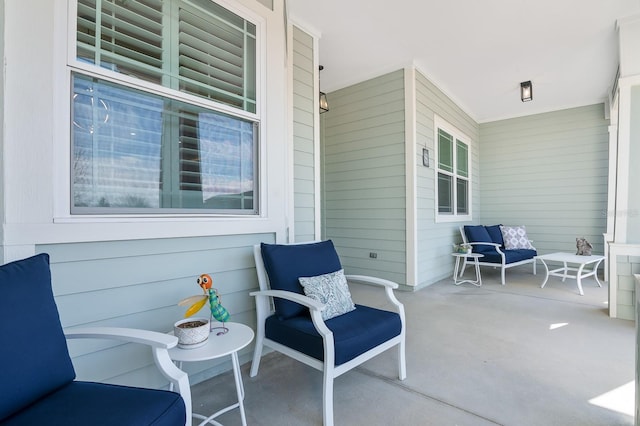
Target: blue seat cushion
35,354
354,333
81,403
286,263
511,256
479,234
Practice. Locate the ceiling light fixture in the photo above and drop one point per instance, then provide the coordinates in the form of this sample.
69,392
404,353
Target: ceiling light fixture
324,104
526,91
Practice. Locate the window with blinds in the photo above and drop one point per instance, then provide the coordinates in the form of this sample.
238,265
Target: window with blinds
139,150
193,46
453,179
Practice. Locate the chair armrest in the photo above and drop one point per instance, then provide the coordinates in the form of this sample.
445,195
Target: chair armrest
144,337
497,246
494,245
160,344
364,279
387,285
294,297
314,309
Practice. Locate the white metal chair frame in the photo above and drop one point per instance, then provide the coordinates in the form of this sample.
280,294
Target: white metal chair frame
503,265
264,309
160,343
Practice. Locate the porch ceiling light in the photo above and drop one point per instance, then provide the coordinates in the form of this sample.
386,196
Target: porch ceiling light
526,91
324,104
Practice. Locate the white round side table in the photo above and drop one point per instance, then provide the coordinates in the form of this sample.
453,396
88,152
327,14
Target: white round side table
456,269
238,336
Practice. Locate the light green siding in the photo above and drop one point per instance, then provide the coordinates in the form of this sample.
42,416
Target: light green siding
627,267
303,136
548,172
364,176
434,240
138,284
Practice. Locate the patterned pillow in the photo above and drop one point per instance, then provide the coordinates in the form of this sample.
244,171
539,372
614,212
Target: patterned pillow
330,289
515,237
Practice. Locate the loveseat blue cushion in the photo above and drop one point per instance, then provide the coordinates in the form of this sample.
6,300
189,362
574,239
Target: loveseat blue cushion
34,355
354,333
495,233
479,234
511,256
87,403
286,263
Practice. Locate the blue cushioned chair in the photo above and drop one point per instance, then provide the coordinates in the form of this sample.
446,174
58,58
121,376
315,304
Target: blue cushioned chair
36,374
291,323
487,240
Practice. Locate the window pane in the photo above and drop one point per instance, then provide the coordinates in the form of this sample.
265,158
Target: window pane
445,151
134,151
194,46
462,193
462,159
445,193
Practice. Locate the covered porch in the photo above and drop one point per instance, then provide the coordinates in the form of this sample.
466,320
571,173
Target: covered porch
489,355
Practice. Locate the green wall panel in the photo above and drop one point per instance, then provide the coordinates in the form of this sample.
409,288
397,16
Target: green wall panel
548,172
303,136
364,201
138,284
435,239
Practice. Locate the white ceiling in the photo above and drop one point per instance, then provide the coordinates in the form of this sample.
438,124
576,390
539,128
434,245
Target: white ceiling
477,52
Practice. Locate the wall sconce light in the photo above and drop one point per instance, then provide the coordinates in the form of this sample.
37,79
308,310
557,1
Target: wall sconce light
526,91
324,104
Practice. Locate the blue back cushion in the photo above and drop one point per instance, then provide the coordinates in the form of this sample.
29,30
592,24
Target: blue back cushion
34,354
496,234
286,263
479,234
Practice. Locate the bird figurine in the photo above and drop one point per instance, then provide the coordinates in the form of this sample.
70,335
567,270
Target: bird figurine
211,294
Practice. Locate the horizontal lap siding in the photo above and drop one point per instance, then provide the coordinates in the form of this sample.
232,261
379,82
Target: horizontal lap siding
138,284
364,205
548,172
435,239
627,267
303,136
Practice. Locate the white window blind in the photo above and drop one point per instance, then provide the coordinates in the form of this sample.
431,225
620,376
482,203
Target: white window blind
193,46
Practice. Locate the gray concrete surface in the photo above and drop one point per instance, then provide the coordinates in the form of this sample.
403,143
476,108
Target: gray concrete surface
513,355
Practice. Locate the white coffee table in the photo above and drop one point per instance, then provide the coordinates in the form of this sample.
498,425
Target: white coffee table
580,270
238,336
456,269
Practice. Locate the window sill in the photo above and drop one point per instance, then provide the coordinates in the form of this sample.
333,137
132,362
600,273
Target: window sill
453,218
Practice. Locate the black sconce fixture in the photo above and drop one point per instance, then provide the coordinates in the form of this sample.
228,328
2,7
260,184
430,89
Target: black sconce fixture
324,105
526,91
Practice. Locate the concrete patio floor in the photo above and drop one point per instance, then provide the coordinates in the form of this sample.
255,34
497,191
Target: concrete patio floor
513,355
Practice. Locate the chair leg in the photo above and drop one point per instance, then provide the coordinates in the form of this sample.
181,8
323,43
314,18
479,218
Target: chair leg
502,274
402,363
327,397
257,354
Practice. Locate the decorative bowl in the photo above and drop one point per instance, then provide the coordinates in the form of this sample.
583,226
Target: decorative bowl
462,248
191,332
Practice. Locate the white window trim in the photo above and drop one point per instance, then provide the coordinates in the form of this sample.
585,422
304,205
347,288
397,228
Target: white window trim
62,176
440,123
